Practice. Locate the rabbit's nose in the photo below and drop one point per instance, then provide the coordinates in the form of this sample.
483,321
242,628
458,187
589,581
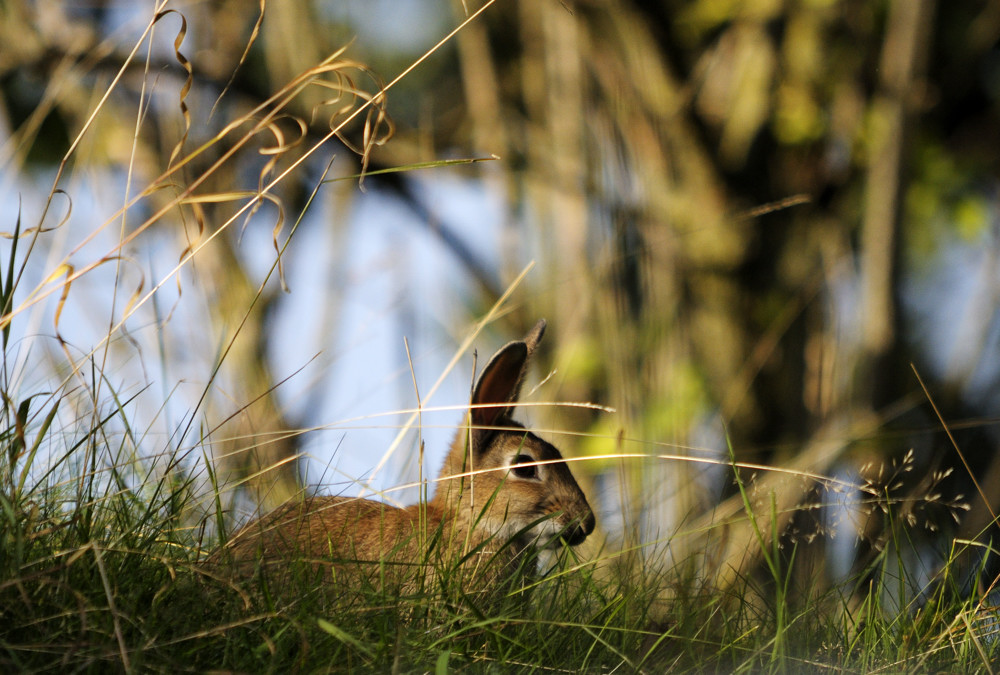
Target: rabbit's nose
579,530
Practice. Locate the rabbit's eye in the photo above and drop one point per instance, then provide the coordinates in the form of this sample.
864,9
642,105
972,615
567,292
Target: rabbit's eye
522,471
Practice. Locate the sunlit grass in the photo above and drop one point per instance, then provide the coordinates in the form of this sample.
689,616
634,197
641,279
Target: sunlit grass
103,568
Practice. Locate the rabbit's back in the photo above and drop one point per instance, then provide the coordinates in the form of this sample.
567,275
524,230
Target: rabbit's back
347,539
360,529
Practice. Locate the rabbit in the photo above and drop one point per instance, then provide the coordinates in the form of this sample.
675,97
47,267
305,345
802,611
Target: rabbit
502,493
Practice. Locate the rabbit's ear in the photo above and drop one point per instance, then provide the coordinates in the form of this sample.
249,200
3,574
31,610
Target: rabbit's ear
501,380
534,336
499,384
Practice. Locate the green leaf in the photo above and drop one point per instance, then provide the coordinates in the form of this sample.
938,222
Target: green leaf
441,667
7,289
343,636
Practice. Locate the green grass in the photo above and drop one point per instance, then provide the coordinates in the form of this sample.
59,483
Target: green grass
106,572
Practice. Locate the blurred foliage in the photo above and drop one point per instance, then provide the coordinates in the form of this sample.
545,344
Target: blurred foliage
734,188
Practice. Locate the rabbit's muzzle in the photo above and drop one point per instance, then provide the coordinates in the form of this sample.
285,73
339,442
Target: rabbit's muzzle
577,531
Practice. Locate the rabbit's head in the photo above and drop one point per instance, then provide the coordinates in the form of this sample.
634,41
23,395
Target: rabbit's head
518,487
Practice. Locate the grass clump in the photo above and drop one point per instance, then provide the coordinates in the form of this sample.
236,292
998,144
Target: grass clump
99,574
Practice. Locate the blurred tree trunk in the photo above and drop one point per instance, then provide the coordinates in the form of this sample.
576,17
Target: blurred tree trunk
255,442
904,53
882,376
